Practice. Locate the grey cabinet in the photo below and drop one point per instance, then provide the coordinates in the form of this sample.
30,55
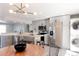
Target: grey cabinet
6,41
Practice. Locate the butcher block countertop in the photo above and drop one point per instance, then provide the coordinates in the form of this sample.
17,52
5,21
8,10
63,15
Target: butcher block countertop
31,50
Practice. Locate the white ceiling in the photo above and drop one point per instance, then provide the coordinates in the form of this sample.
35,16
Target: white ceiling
44,10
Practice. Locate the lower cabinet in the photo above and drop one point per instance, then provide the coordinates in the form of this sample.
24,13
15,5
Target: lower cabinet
5,41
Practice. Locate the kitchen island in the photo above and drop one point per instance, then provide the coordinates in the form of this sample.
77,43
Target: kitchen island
7,39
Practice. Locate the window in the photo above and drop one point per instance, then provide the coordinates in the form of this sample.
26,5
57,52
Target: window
2,29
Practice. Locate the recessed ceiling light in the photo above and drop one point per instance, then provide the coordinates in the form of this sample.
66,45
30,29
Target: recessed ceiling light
10,11
35,13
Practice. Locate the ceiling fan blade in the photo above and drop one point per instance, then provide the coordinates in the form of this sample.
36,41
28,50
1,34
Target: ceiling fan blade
17,7
23,7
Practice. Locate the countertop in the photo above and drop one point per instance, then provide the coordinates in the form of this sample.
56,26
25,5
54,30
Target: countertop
10,34
22,34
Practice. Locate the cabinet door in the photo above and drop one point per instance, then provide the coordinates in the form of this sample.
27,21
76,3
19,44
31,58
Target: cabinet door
58,30
6,41
0,41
